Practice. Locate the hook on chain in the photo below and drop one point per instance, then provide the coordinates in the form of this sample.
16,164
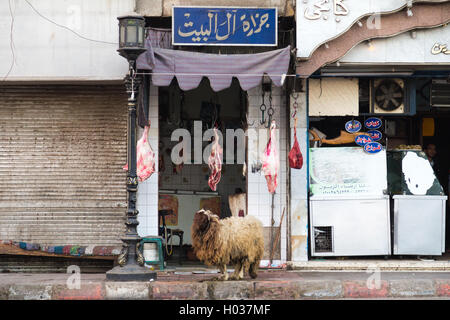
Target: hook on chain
295,104
263,109
270,111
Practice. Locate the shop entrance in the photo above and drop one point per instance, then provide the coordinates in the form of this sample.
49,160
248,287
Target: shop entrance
440,139
440,143
186,120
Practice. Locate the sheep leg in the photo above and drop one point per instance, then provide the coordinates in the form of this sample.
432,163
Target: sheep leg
238,271
241,270
223,270
253,270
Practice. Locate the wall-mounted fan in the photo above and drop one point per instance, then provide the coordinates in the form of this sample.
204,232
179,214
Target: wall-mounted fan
388,96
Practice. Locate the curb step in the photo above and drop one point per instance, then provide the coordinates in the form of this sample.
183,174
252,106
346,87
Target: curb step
210,290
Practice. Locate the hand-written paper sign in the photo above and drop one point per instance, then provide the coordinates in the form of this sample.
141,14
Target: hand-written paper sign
341,189
347,171
224,26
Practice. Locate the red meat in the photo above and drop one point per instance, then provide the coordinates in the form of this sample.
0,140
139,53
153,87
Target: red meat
215,163
271,160
145,165
295,156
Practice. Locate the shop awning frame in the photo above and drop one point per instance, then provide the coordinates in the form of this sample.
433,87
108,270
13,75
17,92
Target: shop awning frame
190,67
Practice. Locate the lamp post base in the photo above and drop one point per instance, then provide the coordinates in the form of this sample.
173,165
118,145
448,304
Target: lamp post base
130,273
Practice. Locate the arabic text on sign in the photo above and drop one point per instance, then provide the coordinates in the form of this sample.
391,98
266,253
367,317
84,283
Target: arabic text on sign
375,135
361,140
373,147
353,126
440,48
216,25
373,123
321,6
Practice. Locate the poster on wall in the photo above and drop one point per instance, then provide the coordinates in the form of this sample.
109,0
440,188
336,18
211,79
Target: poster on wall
347,171
169,202
212,204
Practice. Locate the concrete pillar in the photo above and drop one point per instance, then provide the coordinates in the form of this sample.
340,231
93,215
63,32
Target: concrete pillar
147,195
299,183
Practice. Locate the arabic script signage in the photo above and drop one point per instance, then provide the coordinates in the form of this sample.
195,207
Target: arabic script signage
319,21
224,26
353,126
440,48
321,9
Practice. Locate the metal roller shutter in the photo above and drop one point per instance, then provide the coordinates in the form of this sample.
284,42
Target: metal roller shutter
62,149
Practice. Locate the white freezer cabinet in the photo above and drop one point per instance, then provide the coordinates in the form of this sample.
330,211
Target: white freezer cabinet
419,225
350,226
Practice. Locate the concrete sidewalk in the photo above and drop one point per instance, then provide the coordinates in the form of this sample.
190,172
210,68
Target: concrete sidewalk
270,284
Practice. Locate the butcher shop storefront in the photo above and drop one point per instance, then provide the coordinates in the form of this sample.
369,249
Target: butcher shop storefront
217,125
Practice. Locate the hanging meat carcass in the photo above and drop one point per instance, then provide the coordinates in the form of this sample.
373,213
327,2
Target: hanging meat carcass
215,162
271,160
145,164
295,155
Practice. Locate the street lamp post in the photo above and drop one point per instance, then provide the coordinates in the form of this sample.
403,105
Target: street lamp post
131,262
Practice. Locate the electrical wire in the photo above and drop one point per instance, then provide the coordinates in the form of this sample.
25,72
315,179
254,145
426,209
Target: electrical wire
67,28
11,42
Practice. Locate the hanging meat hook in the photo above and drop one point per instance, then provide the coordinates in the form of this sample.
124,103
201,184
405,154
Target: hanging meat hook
263,109
270,111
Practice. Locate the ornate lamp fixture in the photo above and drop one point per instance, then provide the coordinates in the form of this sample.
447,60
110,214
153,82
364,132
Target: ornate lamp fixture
131,262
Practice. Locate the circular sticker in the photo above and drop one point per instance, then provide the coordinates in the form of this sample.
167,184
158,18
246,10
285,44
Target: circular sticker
363,139
373,147
353,126
375,134
373,123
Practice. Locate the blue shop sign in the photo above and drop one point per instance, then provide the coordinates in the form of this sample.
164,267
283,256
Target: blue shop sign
363,139
224,26
373,123
353,126
375,135
373,147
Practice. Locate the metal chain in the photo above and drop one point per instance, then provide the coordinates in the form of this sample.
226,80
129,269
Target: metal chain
270,111
263,109
295,104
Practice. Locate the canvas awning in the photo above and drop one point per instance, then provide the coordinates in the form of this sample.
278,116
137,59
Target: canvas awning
190,67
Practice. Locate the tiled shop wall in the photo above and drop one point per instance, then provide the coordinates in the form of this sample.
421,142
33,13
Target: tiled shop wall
147,195
259,198
298,184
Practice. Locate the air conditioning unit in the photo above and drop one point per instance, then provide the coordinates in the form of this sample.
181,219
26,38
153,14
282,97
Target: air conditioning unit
388,96
440,93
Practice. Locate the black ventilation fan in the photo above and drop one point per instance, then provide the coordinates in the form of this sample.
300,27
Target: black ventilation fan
389,95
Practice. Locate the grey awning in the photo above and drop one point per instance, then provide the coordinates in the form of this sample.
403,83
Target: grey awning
190,67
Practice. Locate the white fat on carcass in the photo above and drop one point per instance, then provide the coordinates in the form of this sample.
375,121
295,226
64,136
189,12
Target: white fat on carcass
418,173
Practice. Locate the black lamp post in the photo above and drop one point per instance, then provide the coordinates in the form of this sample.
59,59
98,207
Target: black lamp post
131,262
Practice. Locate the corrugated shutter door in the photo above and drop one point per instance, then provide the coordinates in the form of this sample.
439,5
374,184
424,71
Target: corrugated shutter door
62,149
